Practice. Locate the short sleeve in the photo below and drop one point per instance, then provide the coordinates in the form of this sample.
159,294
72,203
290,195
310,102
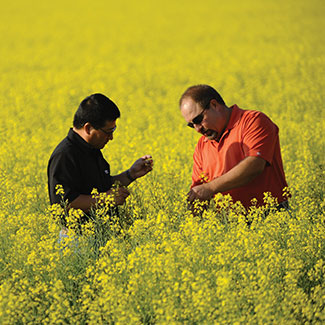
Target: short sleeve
63,171
197,167
260,136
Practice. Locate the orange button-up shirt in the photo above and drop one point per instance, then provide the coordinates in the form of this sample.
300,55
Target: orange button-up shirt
248,133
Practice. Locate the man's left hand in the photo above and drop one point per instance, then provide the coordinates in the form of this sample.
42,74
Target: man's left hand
141,167
202,192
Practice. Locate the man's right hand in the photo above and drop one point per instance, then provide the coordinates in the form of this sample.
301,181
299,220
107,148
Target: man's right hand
120,194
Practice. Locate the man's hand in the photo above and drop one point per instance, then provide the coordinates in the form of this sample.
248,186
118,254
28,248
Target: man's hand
141,167
120,194
202,192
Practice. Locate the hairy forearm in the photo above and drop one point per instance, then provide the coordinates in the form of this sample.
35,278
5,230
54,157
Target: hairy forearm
238,176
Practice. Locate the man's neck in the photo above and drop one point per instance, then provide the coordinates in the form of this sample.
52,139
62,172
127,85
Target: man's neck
81,133
228,112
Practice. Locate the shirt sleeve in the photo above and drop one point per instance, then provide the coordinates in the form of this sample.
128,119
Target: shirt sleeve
259,137
63,171
197,167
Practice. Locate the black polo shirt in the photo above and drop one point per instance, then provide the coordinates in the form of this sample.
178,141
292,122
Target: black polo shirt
78,167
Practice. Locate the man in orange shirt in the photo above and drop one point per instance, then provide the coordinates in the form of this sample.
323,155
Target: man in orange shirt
239,152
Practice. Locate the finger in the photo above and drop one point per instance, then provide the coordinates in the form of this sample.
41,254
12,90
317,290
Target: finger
122,197
145,157
127,193
147,160
124,190
193,196
149,163
148,168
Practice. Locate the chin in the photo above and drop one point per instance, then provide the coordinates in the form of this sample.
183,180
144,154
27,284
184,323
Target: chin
212,135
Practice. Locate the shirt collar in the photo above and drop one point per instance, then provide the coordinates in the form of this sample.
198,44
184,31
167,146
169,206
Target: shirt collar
75,138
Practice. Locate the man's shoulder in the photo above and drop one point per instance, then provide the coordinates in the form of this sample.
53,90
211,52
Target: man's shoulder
64,148
256,120
252,115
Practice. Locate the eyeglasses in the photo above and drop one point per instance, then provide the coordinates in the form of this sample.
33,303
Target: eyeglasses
197,120
109,132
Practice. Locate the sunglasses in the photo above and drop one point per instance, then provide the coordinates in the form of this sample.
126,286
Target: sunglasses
197,120
108,132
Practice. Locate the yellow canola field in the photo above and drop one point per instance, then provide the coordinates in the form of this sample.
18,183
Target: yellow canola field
158,264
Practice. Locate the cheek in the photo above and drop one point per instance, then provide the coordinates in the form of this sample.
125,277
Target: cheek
208,125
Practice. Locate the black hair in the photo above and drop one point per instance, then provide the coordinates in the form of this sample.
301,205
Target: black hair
95,109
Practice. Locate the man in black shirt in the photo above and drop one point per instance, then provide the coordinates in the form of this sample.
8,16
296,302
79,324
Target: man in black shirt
78,164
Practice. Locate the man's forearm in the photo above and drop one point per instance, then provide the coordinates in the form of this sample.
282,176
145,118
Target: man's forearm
238,176
124,179
83,202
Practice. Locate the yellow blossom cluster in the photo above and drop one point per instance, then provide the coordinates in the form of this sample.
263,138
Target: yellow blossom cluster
154,261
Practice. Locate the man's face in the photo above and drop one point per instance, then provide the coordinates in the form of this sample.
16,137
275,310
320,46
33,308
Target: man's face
209,121
98,138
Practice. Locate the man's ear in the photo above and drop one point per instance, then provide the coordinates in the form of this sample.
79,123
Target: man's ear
215,105
87,128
